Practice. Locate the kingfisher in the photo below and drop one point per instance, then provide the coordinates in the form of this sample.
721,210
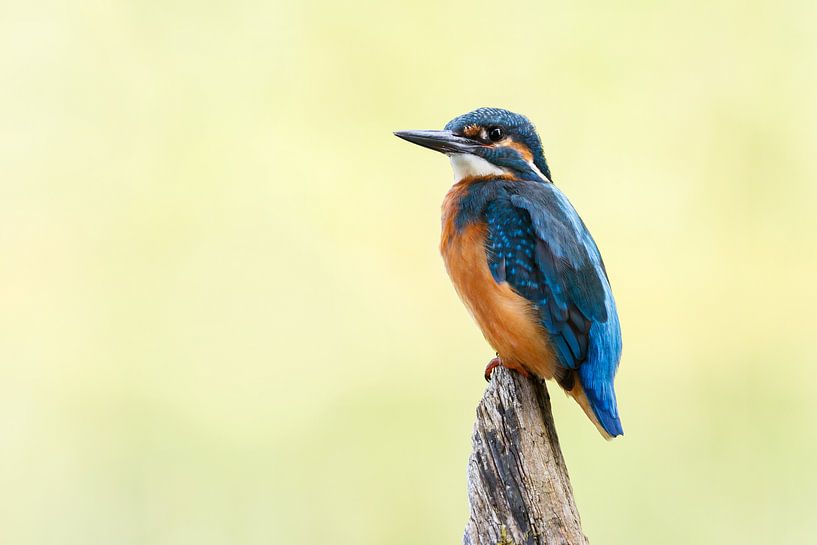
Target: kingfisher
523,261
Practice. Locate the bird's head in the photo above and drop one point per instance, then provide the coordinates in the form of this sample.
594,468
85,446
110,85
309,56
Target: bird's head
488,142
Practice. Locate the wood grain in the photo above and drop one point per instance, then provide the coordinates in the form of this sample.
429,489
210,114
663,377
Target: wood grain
518,487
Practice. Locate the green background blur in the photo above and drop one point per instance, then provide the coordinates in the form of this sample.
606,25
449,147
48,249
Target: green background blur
224,317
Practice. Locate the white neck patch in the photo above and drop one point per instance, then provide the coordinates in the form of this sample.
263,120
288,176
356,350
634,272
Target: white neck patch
538,172
466,165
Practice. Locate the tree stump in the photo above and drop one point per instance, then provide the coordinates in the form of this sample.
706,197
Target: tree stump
518,488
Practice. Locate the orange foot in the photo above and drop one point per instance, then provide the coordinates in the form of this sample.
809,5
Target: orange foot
493,364
496,362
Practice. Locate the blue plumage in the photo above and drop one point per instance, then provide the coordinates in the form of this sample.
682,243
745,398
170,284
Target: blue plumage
522,128
538,244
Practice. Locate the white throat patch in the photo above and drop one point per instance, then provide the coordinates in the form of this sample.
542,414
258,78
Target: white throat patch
466,165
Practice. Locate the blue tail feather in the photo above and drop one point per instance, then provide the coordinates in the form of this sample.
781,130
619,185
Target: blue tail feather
602,399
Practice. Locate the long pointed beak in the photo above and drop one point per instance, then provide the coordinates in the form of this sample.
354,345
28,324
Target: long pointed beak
443,141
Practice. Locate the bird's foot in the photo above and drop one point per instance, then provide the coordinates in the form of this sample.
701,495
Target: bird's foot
493,364
496,362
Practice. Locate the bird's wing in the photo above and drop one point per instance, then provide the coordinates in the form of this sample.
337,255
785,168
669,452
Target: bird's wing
538,244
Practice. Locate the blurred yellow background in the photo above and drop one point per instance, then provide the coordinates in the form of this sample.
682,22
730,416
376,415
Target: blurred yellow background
225,319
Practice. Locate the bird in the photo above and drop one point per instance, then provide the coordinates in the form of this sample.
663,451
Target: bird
523,261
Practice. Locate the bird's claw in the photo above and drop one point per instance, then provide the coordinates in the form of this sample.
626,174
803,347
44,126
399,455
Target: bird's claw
493,364
496,362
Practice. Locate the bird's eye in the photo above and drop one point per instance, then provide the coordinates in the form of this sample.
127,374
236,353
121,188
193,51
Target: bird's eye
495,134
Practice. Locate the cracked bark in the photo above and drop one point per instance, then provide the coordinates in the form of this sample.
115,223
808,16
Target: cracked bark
518,488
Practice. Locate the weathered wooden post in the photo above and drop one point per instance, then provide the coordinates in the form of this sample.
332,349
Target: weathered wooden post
518,488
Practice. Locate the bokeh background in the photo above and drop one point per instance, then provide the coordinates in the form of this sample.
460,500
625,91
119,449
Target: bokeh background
224,318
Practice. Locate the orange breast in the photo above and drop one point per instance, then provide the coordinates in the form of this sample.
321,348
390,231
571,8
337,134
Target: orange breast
507,319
